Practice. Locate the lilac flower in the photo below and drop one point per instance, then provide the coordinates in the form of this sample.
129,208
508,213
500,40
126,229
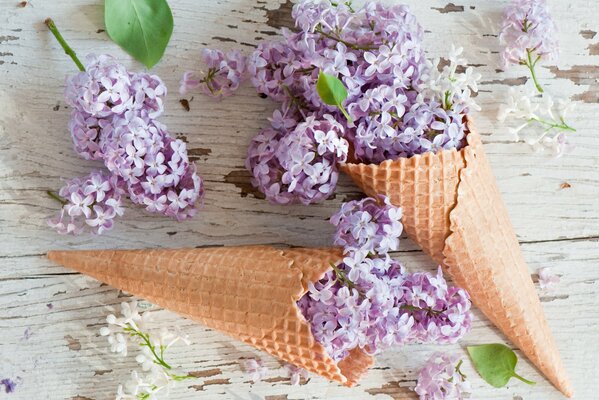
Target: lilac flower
255,368
9,384
106,89
368,300
91,202
295,374
224,73
154,167
547,279
441,313
441,379
368,225
301,166
528,33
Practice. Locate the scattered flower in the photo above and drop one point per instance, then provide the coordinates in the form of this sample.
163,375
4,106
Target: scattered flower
529,35
223,75
27,334
441,379
157,374
541,120
255,368
9,384
295,374
547,279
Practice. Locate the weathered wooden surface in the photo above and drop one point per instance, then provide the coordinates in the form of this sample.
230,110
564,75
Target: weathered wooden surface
64,357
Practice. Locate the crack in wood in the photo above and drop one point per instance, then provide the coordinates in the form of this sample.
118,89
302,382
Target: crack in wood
210,382
206,373
449,8
242,180
588,34
394,390
507,81
72,343
593,49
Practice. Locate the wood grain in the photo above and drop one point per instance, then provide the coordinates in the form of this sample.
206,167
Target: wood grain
553,202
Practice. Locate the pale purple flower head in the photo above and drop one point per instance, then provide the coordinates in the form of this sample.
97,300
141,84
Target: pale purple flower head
222,75
547,279
368,226
300,166
528,31
154,167
91,203
255,368
441,313
441,379
106,89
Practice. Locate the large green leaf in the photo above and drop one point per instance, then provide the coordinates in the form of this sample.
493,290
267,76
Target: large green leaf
142,28
496,363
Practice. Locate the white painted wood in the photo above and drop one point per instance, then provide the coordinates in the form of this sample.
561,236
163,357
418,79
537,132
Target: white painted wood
65,358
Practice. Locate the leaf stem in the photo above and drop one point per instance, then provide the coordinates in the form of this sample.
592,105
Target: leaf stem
146,342
515,375
552,125
67,49
531,66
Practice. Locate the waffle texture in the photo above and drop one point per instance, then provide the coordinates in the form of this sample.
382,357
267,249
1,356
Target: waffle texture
452,208
247,292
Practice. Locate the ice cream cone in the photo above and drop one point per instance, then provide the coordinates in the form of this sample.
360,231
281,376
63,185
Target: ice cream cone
452,208
249,293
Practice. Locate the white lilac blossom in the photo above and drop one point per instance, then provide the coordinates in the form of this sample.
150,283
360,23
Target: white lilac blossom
538,119
90,203
529,35
132,326
368,301
300,166
441,379
547,279
223,74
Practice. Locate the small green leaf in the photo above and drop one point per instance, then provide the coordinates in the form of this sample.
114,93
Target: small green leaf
142,28
496,363
332,92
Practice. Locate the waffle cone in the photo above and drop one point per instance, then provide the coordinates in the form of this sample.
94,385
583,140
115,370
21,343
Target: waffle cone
452,208
249,293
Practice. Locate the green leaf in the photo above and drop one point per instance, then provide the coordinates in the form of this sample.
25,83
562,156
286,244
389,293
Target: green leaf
332,92
496,363
142,28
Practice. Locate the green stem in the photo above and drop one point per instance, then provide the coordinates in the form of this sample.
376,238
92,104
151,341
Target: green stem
67,49
552,125
531,66
428,310
146,342
348,44
344,112
524,379
56,197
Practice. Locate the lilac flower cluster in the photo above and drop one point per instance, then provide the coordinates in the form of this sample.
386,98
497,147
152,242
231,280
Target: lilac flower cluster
90,202
114,120
300,166
528,33
395,101
441,379
224,73
369,301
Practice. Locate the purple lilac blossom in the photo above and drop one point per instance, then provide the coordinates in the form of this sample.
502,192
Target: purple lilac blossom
441,379
224,73
114,120
9,384
441,313
300,166
90,203
369,301
295,374
255,368
528,32
154,167
367,225
377,53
